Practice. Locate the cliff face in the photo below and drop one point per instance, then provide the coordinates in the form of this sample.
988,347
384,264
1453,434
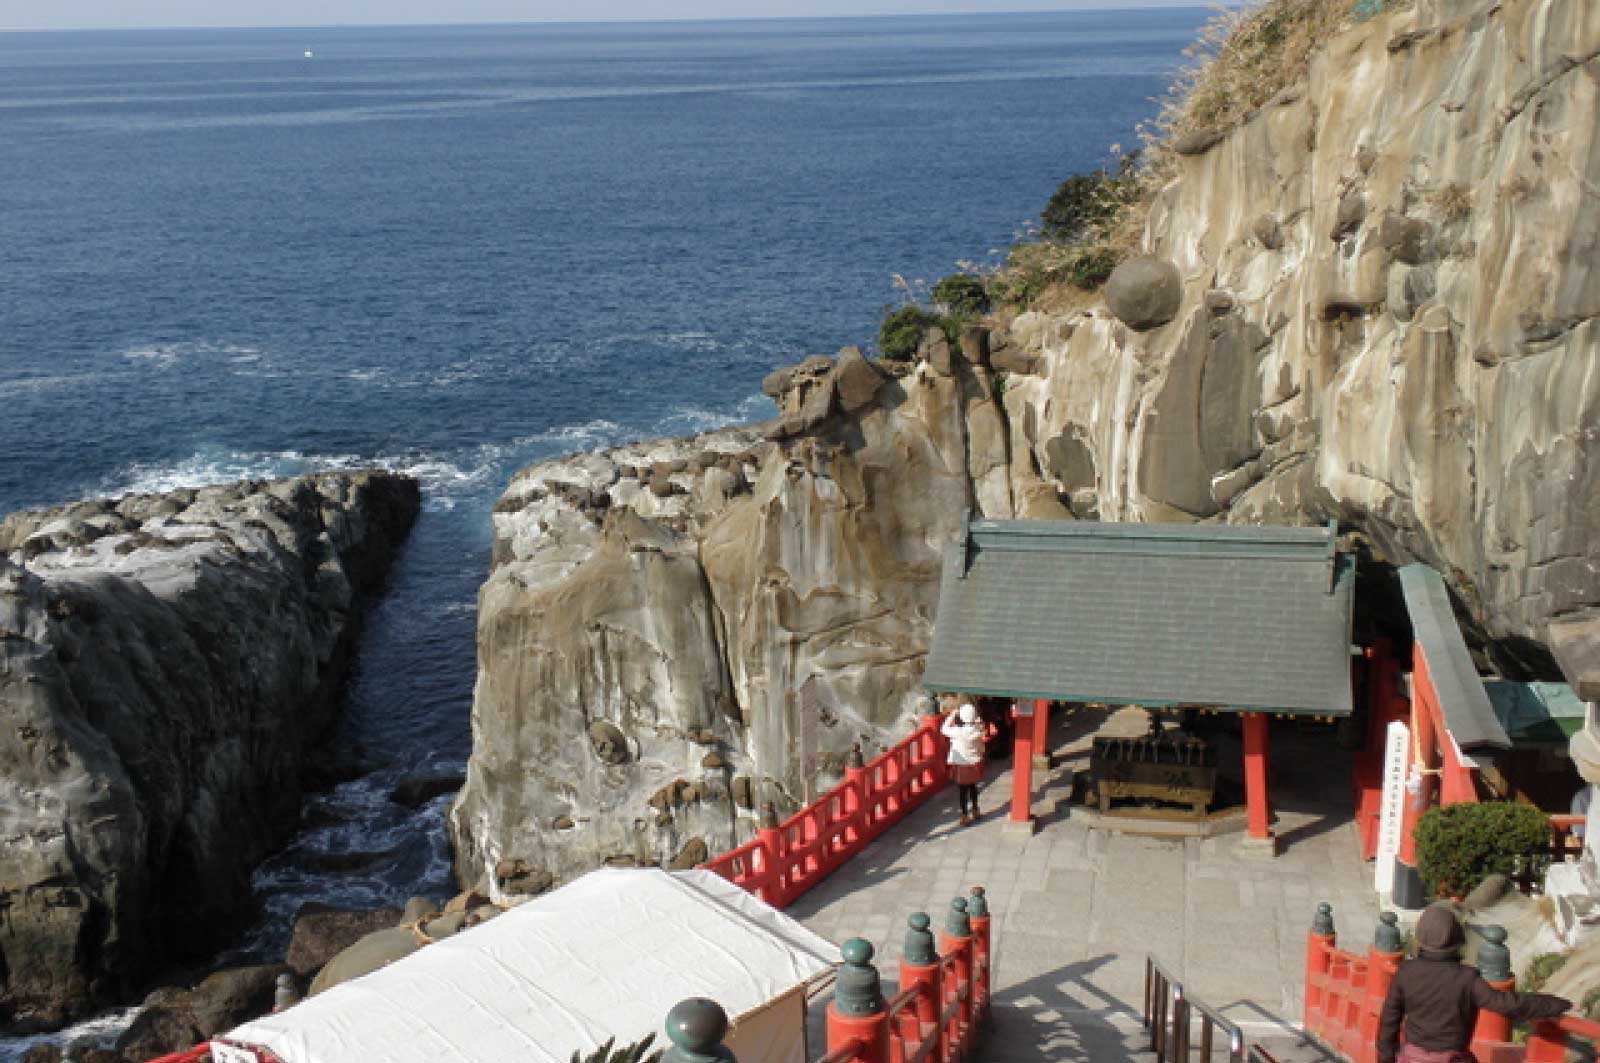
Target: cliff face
1380,298
167,665
675,632
1388,316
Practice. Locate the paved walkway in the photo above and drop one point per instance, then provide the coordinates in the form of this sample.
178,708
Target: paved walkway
1078,908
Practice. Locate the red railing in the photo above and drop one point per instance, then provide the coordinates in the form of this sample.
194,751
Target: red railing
1344,994
938,1015
785,860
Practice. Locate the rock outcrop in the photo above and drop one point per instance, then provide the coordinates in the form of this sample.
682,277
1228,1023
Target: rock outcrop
1374,302
1390,292
168,666
675,632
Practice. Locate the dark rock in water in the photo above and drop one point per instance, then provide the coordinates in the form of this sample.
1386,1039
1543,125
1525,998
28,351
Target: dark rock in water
177,1019
1144,292
322,932
168,700
416,790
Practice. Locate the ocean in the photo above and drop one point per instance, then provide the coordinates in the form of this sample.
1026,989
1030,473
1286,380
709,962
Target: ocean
456,250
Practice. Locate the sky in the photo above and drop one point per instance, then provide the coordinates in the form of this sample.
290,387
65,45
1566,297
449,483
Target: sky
121,14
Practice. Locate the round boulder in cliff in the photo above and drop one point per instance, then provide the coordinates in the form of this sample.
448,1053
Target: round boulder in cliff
1144,292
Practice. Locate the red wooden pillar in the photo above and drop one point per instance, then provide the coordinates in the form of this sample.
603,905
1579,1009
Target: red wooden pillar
1420,785
1041,734
1021,766
1256,769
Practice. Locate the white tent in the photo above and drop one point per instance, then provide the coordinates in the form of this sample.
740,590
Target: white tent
606,955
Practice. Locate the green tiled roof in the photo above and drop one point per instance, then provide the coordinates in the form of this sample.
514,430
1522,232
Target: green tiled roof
1151,614
1467,713
1536,714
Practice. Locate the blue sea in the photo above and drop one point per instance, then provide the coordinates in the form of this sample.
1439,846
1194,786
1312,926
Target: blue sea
456,250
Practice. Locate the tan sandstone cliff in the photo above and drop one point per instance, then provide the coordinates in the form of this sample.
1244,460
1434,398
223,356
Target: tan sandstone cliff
1383,312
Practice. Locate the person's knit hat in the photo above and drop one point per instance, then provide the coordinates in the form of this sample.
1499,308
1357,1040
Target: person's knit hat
968,714
1439,930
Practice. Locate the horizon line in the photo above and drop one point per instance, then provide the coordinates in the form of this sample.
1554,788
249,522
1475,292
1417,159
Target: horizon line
1097,6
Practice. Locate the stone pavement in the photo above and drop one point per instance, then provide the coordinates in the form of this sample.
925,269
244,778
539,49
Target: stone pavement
1077,908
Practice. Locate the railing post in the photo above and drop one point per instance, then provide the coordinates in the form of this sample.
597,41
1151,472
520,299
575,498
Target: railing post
858,797
1319,949
1180,1024
696,1028
1382,963
857,1012
956,944
772,855
919,969
1494,964
937,771
982,966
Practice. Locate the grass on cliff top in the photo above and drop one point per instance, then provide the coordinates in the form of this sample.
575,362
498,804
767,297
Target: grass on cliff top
1241,59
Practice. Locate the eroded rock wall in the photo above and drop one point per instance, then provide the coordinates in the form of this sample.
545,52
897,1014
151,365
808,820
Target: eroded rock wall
1375,302
676,632
1390,291
168,666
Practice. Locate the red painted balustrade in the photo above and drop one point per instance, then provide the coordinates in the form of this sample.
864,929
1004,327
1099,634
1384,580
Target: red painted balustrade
1344,994
944,1002
786,859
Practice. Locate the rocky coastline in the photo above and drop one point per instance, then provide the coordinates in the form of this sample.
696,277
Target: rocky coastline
169,665
1373,302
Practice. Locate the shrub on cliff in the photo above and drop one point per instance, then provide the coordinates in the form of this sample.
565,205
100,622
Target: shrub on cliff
1458,846
1242,59
902,329
962,295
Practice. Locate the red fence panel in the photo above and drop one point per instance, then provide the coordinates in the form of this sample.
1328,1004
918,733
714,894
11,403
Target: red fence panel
786,860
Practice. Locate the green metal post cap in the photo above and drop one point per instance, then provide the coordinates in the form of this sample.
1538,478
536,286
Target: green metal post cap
696,1028
956,924
978,905
857,990
1387,937
1494,956
854,760
919,950
1322,922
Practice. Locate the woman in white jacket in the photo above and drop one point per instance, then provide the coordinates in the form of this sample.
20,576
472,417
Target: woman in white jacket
965,732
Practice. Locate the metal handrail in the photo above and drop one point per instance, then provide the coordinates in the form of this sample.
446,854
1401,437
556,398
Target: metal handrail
1168,1015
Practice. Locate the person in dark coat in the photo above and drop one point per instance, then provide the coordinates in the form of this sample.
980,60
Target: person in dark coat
1436,998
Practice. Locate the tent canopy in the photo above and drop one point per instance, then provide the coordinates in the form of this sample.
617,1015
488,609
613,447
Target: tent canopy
607,955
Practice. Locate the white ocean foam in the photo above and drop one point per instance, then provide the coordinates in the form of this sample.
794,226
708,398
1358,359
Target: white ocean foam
102,1029
35,384
168,355
449,478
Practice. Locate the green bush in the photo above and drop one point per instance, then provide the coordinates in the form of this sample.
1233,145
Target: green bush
963,295
901,331
1458,846
1540,969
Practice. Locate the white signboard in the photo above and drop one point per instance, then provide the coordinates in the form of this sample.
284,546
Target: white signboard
1396,757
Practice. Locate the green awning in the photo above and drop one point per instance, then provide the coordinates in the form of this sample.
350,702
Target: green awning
1536,715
